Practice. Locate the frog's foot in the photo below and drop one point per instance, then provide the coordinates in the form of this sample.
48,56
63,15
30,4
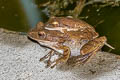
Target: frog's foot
63,58
80,59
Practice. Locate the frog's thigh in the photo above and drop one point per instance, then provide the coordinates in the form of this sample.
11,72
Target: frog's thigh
64,58
92,47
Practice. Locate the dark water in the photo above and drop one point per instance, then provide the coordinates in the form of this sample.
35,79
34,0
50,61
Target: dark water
107,22
21,15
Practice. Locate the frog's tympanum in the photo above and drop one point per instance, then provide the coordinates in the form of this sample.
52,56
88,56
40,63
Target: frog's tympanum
67,37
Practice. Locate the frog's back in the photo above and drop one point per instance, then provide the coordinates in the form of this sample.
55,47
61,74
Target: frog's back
74,24
70,22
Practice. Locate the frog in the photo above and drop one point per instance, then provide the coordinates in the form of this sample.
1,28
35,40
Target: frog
67,40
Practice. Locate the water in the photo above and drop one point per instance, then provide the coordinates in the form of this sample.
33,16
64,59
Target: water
107,23
19,15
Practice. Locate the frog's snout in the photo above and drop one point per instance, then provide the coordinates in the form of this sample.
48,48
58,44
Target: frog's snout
32,34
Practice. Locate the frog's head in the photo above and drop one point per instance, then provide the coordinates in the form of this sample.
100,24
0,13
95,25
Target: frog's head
45,37
34,33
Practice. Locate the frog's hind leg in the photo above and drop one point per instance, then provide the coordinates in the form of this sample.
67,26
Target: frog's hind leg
86,58
64,57
76,60
91,48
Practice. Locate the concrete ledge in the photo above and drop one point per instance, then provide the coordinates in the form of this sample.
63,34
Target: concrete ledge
19,60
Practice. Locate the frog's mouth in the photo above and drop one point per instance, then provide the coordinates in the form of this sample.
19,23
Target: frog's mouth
44,42
50,45
34,36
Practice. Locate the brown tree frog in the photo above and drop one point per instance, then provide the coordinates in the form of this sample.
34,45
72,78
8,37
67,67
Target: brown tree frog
67,37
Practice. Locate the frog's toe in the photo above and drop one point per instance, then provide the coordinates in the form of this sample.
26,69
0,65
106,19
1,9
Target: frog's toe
53,66
49,63
58,61
42,59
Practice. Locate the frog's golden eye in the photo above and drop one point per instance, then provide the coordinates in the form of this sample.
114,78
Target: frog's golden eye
55,23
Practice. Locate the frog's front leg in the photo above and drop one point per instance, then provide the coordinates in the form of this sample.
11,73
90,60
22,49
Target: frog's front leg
65,56
90,48
47,55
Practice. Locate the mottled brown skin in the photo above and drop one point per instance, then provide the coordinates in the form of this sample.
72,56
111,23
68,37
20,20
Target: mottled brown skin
70,23
84,40
67,21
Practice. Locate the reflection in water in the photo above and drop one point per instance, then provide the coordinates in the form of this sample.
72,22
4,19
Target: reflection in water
31,11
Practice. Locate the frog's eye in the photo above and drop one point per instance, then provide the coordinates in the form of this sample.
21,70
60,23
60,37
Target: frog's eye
41,34
55,23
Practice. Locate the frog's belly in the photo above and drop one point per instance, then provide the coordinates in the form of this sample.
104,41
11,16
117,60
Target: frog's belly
75,51
75,47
